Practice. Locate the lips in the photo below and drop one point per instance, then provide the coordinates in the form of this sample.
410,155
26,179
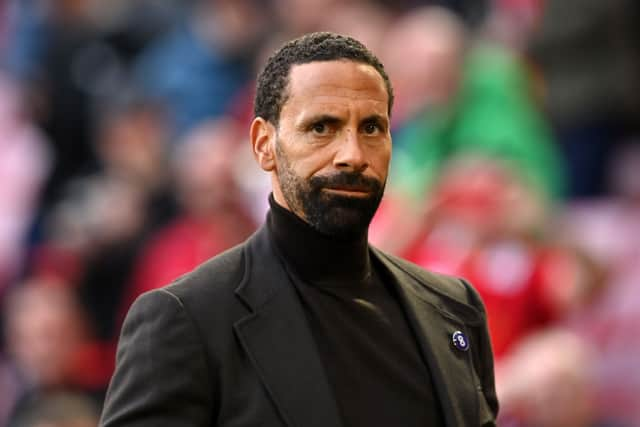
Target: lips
349,189
348,193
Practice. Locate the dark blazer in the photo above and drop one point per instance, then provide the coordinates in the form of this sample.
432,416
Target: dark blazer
229,345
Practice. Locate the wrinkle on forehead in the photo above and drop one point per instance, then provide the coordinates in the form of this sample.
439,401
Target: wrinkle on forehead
332,83
336,75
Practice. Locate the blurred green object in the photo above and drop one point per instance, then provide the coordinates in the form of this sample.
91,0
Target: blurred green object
493,116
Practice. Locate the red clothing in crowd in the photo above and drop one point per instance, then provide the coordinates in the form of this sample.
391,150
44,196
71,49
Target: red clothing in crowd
510,276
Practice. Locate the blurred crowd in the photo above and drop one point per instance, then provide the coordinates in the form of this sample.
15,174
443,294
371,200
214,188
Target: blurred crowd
124,162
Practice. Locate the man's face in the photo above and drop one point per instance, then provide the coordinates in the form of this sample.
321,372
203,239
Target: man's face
333,145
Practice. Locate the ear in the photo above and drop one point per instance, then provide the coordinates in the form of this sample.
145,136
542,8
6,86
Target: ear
263,138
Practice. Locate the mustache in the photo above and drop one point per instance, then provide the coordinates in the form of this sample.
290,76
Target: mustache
346,180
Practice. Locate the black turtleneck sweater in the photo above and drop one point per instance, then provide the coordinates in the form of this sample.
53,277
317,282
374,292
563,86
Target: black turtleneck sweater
365,342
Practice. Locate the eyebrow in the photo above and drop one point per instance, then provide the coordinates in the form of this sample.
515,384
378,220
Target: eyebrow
320,118
376,118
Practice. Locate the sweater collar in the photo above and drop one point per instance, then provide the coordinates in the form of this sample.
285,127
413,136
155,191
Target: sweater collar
318,258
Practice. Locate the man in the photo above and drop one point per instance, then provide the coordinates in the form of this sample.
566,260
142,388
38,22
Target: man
305,324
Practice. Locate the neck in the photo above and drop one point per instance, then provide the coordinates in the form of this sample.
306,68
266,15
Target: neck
316,257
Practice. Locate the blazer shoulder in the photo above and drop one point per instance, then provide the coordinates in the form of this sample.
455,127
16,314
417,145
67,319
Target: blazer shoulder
218,275
450,289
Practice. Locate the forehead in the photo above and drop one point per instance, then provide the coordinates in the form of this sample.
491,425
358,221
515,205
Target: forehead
334,83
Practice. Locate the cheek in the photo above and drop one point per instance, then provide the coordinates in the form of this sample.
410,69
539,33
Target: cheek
313,162
380,160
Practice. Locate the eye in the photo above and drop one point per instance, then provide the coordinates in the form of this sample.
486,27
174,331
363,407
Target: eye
371,128
319,128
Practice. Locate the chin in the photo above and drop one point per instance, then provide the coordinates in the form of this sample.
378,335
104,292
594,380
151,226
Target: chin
346,221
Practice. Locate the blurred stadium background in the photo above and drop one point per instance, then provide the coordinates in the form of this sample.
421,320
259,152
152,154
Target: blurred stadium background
124,162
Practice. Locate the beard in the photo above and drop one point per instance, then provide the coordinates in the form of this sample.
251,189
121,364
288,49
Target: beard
329,213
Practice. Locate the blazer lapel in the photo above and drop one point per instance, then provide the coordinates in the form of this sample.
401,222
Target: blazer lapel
279,342
451,368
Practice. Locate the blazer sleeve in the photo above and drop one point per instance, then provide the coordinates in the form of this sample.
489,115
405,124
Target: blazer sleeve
161,376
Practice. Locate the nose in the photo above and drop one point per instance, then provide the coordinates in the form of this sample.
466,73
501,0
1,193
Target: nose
350,155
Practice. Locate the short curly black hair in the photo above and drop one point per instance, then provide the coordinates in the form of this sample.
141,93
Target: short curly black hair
271,91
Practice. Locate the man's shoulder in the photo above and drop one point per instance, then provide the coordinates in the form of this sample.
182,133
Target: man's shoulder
442,283
206,294
448,289
218,275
